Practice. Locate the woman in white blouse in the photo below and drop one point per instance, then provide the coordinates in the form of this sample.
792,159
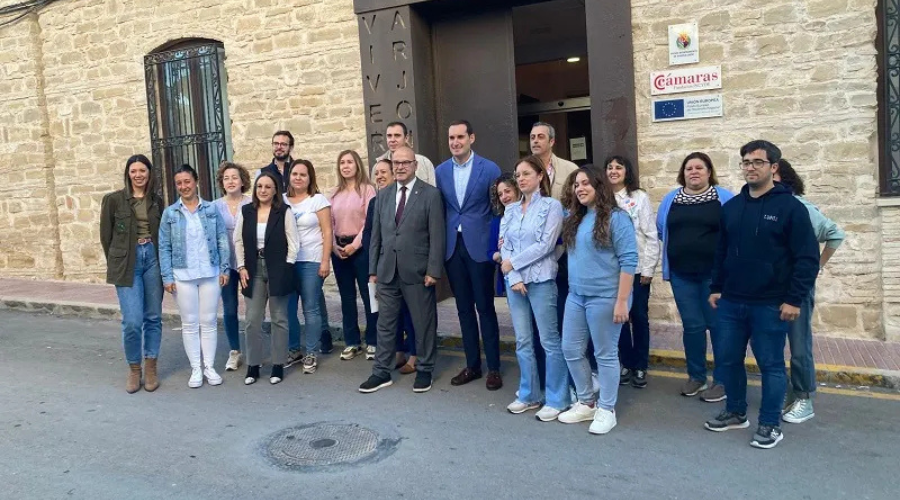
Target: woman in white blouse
312,215
634,342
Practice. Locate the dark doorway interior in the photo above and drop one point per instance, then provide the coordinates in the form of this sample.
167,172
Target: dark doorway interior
553,76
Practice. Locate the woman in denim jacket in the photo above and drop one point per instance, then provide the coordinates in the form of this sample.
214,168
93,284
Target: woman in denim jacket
529,230
129,227
194,258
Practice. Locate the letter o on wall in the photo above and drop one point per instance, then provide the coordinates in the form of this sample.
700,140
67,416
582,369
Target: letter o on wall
404,110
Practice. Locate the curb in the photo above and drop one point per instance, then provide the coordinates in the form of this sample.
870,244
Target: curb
830,374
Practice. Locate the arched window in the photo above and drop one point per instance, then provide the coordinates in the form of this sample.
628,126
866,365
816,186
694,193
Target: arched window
188,108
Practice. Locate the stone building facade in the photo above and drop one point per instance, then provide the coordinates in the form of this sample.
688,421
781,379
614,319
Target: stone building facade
73,106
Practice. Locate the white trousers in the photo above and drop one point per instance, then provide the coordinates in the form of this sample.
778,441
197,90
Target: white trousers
198,302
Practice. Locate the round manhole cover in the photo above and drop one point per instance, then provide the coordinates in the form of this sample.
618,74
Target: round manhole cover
324,445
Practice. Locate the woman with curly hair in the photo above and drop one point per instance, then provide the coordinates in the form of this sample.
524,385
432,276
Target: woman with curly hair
529,229
234,181
603,257
504,191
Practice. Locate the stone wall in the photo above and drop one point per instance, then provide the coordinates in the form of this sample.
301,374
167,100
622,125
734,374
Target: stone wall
803,75
291,64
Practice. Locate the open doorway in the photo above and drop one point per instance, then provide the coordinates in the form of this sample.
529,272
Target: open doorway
552,76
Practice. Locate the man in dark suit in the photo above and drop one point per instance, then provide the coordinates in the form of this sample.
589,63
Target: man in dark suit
465,181
406,260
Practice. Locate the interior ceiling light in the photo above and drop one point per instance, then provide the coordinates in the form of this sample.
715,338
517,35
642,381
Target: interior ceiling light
573,59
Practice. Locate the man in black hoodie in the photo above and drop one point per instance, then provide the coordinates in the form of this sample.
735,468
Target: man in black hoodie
766,264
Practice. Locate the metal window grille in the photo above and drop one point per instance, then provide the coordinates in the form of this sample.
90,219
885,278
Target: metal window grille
888,44
188,110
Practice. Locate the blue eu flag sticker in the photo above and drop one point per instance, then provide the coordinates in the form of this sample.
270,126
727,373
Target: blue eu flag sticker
671,109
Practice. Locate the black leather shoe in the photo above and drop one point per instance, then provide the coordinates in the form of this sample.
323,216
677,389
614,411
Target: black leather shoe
494,381
465,376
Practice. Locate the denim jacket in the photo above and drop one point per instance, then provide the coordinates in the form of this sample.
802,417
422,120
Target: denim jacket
529,239
172,251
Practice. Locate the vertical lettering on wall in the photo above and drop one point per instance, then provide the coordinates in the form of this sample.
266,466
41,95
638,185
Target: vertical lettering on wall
398,21
399,49
403,83
373,86
369,22
375,113
404,110
371,54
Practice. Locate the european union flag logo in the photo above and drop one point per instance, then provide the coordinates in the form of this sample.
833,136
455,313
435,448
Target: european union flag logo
668,110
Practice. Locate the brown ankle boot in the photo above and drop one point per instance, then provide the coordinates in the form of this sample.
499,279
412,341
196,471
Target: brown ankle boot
151,381
133,384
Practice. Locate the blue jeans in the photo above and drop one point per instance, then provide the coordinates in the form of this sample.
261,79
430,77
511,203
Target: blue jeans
230,310
592,317
800,338
541,301
697,316
352,274
311,295
634,342
141,305
762,326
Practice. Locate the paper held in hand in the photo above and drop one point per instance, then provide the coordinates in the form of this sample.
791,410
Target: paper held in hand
373,301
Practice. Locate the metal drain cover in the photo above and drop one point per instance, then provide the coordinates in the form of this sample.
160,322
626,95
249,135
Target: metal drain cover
325,444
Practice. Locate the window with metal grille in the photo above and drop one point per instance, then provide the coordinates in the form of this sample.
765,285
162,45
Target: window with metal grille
888,44
188,108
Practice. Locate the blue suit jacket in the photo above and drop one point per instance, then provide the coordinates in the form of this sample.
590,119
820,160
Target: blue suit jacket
475,214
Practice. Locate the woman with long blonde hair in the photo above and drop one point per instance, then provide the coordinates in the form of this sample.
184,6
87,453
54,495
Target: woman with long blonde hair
349,204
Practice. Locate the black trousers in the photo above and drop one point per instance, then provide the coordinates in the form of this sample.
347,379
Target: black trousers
473,287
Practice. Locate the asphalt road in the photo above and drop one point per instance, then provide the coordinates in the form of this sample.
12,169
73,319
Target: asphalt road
69,430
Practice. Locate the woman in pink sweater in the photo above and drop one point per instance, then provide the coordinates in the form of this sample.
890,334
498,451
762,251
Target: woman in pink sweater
350,260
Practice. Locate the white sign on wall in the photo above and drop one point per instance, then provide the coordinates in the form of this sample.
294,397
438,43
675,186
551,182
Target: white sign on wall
685,80
686,108
684,44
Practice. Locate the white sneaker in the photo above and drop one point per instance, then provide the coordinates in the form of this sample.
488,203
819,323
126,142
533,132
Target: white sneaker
604,421
579,412
370,352
196,379
211,376
520,407
547,414
234,361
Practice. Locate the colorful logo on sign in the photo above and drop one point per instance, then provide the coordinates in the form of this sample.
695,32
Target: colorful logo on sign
684,40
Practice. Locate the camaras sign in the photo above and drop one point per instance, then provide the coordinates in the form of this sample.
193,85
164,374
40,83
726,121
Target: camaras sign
685,80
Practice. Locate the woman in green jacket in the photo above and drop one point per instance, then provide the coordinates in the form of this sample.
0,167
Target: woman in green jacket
798,406
129,228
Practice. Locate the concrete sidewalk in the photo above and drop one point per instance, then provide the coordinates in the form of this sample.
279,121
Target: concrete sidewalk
839,361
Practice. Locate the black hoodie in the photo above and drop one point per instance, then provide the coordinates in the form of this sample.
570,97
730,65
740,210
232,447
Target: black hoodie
767,252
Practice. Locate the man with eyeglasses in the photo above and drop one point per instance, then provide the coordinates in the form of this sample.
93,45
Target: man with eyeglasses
398,136
282,145
465,180
765,266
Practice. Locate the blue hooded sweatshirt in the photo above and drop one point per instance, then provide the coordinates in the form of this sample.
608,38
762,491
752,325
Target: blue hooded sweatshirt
767,252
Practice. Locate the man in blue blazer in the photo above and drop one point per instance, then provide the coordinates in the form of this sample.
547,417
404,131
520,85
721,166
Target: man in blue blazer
465,181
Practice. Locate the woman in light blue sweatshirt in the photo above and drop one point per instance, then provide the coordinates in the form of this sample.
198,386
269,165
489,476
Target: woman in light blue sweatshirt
529,230
603,257
799,407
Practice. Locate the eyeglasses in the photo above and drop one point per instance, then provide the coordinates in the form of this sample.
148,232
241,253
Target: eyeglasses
281,144
402,163
754,164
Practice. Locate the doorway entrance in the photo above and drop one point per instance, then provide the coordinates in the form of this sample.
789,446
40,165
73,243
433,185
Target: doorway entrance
553,76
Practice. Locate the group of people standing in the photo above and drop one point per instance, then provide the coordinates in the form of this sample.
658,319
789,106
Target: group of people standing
574,250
